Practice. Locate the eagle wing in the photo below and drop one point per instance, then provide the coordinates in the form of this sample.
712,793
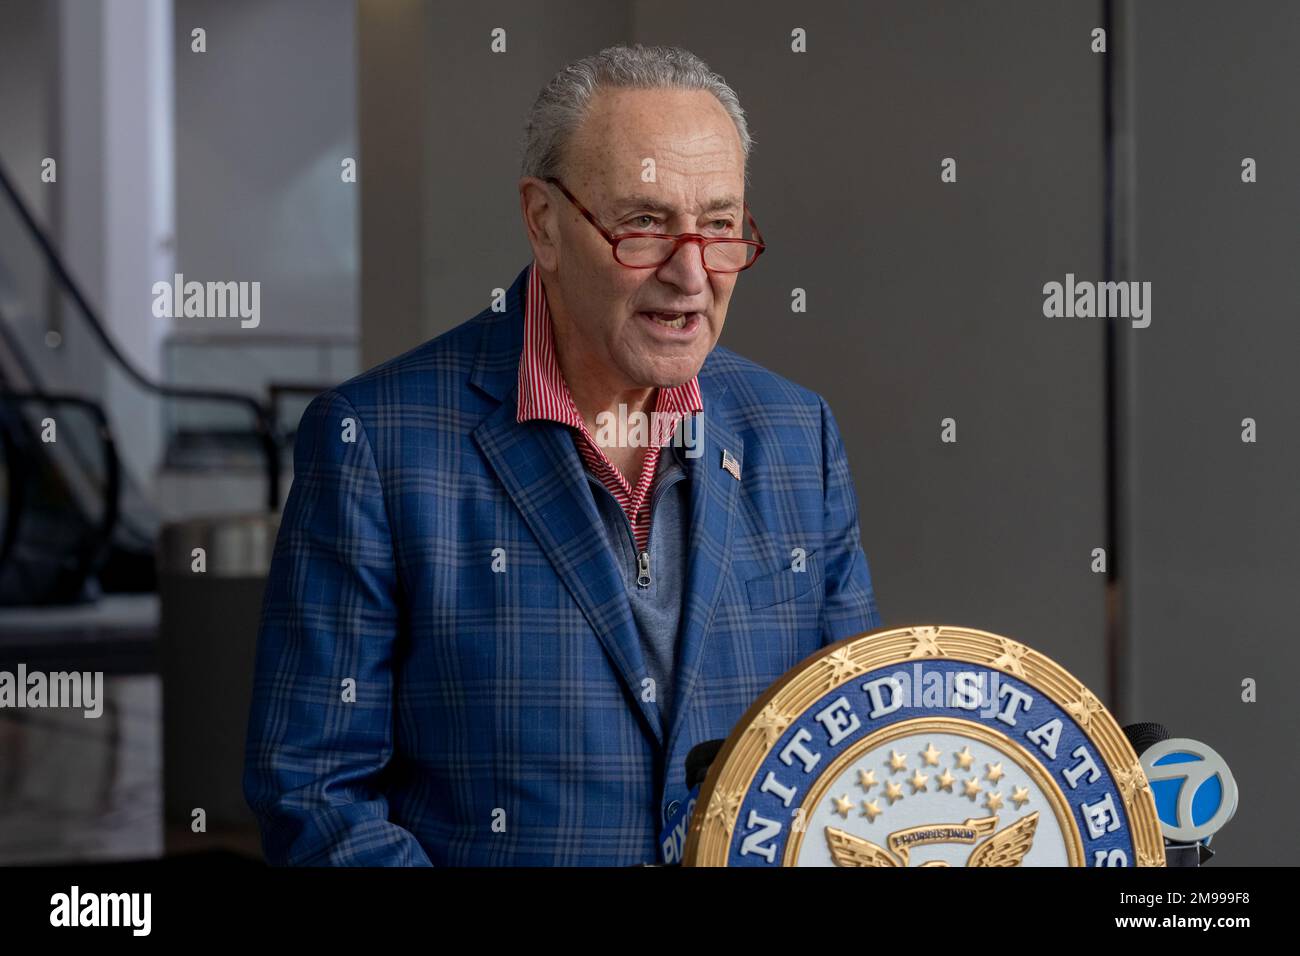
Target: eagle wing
1008,846
848,850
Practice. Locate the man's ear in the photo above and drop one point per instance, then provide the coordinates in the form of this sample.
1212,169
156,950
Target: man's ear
540,222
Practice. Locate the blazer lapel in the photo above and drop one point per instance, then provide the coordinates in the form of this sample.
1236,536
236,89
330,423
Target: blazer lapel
541,471
713,511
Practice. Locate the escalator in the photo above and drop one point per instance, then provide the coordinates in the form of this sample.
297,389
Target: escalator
76,524
51,545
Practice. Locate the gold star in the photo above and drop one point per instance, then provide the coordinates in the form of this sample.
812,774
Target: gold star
722,809
893,792
994,800
1011,659
926,643
871,811
931,755
918,782
964,758
843,805
1020,796
770,725
995,771
841,668
866,779
897,762
972,789
946,781
1130,781
1083,709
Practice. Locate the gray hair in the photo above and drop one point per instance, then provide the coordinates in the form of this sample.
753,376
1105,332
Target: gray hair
564,102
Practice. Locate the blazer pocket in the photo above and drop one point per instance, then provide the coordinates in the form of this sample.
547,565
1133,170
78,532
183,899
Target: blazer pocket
785,585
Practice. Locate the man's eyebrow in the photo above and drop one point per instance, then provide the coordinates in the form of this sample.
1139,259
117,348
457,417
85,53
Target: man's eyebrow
654,204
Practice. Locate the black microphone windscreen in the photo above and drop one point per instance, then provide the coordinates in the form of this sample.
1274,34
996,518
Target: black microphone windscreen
698,760
1143,736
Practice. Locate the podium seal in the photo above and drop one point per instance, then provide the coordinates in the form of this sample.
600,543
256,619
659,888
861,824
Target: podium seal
926,746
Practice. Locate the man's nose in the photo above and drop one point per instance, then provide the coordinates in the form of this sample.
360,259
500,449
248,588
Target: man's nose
685,267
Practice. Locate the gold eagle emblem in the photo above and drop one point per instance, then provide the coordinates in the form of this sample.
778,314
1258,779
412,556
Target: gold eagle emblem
1006,847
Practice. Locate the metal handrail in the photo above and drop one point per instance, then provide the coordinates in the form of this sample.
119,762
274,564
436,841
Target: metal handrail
112,476
262,416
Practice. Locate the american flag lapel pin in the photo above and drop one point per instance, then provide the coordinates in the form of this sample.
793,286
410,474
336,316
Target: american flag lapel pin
730,465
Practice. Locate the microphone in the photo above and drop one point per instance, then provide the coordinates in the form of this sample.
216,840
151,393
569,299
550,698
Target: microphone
672,841
1195,792
698,762
1143,735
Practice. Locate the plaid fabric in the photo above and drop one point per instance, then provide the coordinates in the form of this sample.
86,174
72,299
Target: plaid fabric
448,671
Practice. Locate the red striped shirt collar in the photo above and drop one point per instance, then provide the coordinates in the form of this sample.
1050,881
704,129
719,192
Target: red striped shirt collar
543,392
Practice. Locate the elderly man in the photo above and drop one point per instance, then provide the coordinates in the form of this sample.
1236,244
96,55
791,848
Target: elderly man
500,612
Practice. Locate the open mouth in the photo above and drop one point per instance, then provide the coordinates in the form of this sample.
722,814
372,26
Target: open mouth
681,322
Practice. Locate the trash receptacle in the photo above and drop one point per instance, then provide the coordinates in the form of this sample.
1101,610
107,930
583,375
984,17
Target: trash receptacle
212,575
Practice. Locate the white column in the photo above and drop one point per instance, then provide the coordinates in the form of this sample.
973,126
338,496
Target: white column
138,210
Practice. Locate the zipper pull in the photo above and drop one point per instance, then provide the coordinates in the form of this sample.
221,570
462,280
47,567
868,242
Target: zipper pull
643,570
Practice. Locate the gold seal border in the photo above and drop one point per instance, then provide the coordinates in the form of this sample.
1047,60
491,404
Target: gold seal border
733,771
1014,751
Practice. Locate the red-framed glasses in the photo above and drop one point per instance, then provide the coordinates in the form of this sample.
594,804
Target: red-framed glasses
649,250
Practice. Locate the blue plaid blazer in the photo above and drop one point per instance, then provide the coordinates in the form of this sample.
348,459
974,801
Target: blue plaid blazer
413,706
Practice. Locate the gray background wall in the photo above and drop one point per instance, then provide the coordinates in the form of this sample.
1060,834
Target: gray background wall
263,120
925,302
1216,522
